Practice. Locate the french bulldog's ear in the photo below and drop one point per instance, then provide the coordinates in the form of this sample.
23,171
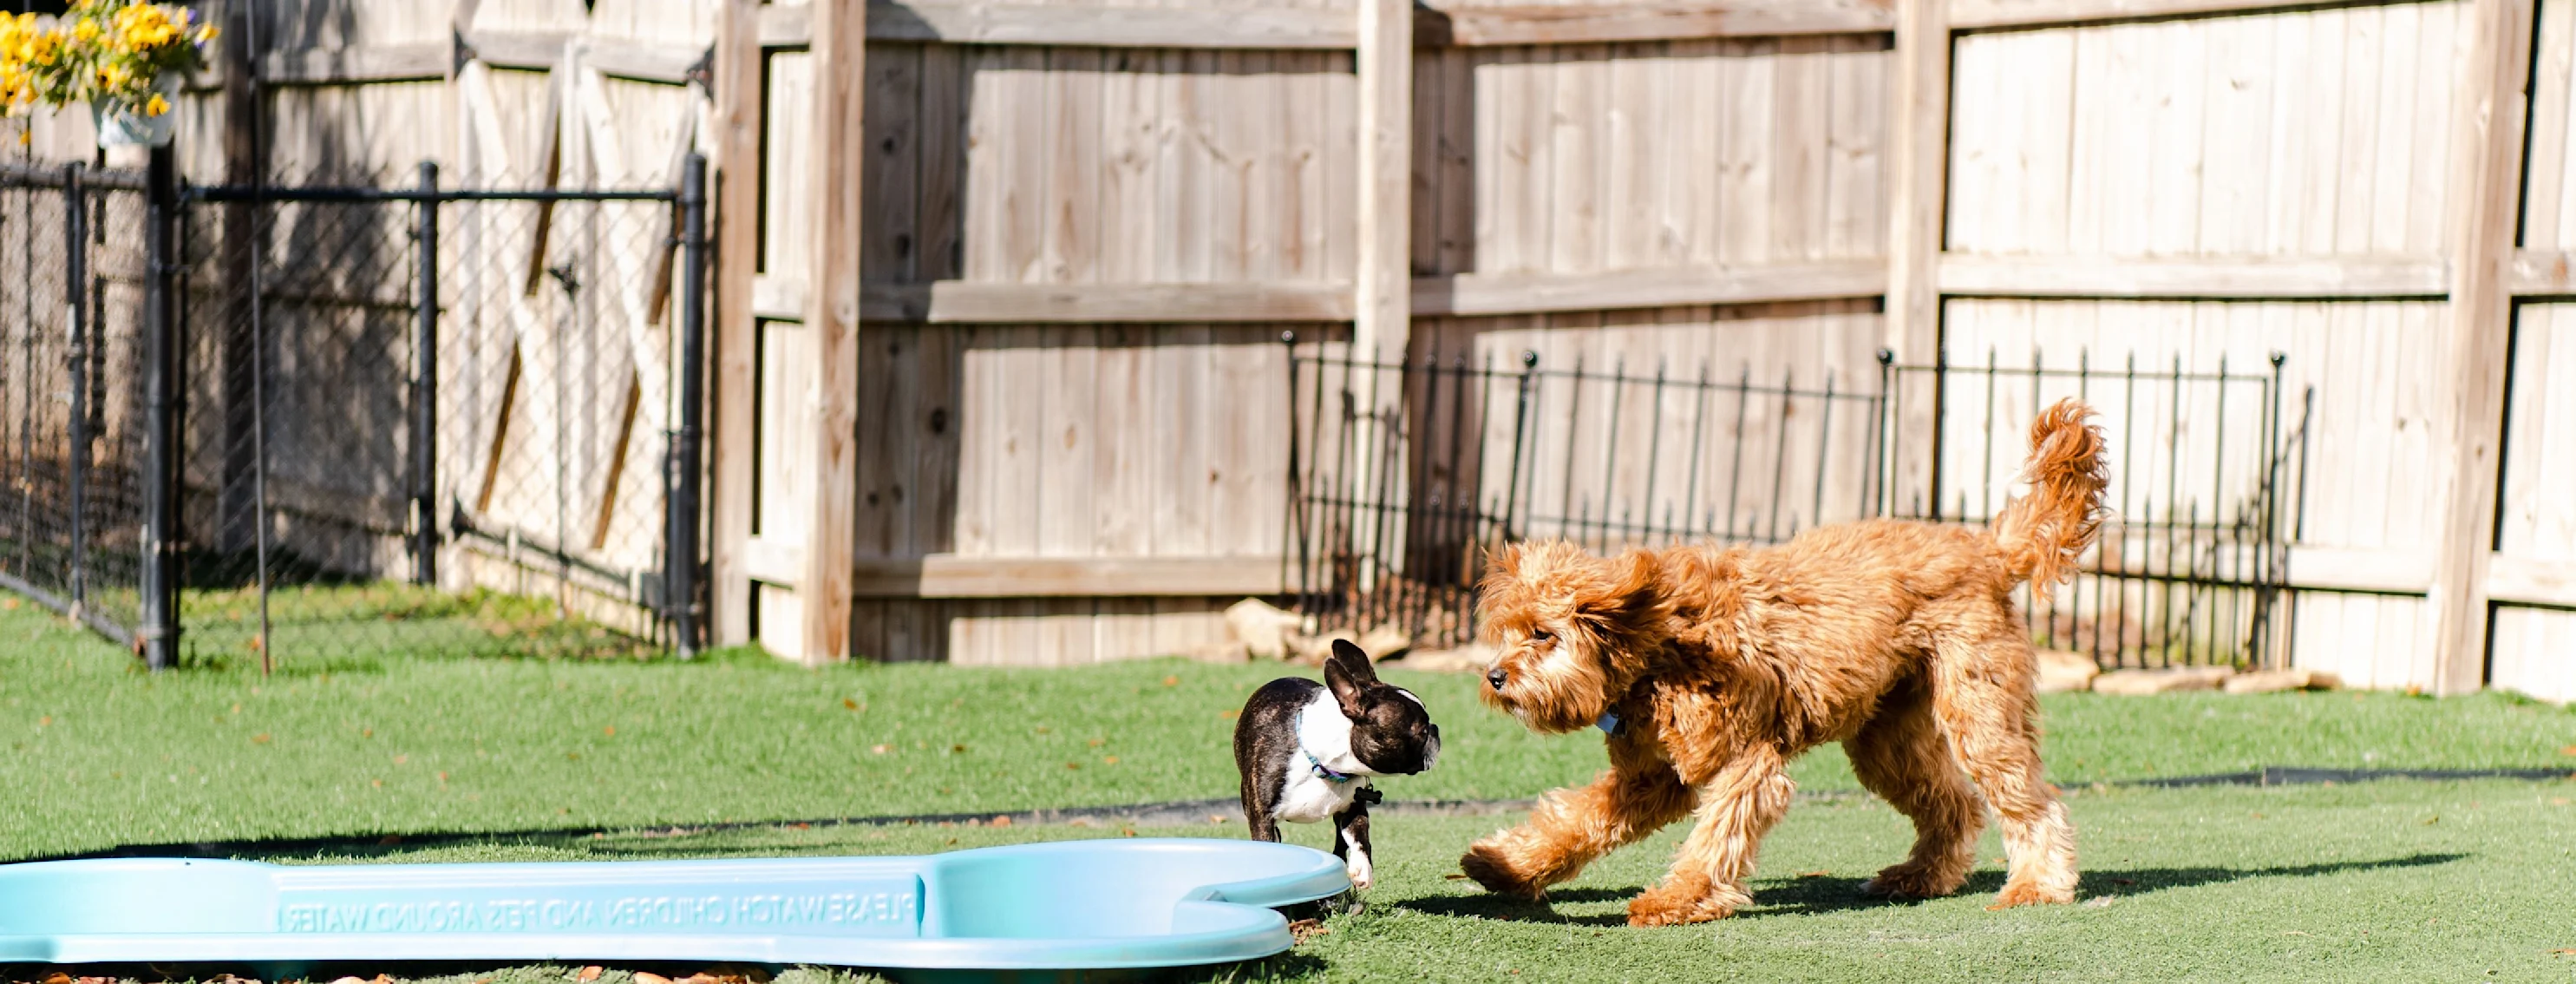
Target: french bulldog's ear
1348,672
1356,659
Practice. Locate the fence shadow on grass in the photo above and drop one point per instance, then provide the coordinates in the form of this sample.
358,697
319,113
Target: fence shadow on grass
1817,895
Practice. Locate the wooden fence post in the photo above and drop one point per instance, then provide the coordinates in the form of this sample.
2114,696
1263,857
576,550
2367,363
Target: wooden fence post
2486,200
1917,171
840,48
1381,327
737,84
1385,281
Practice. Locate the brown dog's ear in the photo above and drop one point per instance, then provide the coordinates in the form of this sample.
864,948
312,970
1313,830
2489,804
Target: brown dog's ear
1348,672
1627,602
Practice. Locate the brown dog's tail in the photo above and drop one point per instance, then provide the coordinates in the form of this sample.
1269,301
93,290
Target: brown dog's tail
2041,533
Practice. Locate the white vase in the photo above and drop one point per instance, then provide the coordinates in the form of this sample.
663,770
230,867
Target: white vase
130,128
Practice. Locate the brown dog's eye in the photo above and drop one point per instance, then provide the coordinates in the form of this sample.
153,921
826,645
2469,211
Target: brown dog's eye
1542,635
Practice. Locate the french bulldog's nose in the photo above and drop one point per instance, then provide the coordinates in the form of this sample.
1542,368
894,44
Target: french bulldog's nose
1497,677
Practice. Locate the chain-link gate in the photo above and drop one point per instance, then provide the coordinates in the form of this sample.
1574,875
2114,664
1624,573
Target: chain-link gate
415,420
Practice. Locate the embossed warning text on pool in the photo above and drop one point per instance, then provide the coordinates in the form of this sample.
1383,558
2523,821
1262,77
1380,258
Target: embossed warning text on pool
872,907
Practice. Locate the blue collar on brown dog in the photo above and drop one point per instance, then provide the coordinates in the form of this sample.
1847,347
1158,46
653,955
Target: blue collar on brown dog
1609,723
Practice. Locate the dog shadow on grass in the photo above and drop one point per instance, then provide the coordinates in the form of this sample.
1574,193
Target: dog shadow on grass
1818,894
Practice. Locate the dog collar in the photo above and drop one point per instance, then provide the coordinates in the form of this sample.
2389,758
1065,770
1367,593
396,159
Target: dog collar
1323,771
1609,723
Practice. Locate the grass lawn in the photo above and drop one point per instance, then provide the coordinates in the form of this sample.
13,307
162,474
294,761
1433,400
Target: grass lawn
2375,881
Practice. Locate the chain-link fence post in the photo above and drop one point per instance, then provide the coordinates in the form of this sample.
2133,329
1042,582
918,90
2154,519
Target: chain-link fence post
75,309
424,386
680,580
159,629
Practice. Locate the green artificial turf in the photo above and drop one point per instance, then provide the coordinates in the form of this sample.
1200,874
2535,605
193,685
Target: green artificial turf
103,754
2364,882
2390,880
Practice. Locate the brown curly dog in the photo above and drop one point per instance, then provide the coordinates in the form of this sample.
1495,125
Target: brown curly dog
1712,667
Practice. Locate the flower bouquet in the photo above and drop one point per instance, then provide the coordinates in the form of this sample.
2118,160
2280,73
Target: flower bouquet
124,58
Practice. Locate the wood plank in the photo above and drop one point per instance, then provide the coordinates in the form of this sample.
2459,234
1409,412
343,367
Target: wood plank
2365,570
618,57
732,454
787,26
948,575
1917,159
1983,14
2196,276
1471,25
358,64
1381,321
1524,293
2487,152
832,319
2528,581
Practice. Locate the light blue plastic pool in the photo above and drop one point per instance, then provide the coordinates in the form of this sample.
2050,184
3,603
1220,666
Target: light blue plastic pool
1076,904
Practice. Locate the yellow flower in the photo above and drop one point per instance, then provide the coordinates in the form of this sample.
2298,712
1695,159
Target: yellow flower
156,106
87,29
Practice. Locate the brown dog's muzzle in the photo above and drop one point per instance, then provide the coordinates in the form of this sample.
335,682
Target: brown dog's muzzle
1497,677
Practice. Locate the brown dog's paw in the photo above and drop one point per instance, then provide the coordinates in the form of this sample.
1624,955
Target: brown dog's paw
2025,893
1906,882
1663,906
1486,864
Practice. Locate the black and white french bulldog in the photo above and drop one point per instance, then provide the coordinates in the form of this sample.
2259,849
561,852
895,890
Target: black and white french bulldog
1308,750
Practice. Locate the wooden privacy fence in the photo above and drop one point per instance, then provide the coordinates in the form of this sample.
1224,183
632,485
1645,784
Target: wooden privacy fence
1036,254
996,376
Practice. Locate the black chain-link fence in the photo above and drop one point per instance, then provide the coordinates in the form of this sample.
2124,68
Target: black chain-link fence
72,273
402,419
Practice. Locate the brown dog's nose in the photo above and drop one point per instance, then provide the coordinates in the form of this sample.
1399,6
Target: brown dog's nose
1496,676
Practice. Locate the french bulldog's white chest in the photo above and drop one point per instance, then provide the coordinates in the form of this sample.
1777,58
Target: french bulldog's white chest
1324,744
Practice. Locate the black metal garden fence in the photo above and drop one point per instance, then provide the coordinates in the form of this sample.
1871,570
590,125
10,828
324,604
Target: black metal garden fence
1405,476
311,423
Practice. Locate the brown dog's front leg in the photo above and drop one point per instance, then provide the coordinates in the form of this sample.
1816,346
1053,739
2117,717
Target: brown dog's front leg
1570,827
1736,807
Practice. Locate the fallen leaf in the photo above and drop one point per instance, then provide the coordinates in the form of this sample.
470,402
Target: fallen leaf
2569,750
610,731
1171,681
2558,801
2561,952
442,777
1229,714
1110,760
957,749
401,759
1097,742
642,977
1813,874
1454,876
1127,831
58,978
1307,929
259,739
1216,818
2429,821
2124,881
378,783
589,973
46,721
2102,902
9,603
1073,765
1002,821
880,749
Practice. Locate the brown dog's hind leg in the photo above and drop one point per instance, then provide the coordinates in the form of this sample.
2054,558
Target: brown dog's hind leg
1983,694
1571,827
1736,807
1901,756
